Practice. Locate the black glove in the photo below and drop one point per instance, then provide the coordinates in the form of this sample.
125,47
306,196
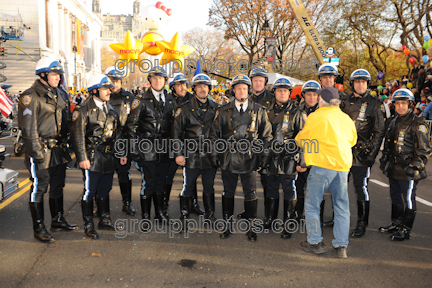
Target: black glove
417,164
384,162
265,162
215,162
410,171
38,160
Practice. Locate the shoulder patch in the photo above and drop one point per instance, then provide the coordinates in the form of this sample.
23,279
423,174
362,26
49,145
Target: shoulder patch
26,99
177,113
382,108
422,128
75,115
135,103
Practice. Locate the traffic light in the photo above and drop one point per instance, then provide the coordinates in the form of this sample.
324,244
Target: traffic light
2,51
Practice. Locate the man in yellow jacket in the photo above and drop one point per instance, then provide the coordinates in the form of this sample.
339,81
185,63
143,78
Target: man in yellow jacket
327,139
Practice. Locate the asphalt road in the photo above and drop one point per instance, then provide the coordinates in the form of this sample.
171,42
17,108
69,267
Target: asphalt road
204,260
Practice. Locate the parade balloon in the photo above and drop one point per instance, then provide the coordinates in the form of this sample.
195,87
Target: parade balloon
406,51
426,38
380,75
409,85
380,88
425,58
403,47
149,42
129,49
412,60
174,50
430,42
426,45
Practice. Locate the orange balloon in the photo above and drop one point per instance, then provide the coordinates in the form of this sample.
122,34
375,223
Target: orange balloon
340,87
406,51
295,91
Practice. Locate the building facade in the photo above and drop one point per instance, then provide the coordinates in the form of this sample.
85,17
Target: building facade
65,29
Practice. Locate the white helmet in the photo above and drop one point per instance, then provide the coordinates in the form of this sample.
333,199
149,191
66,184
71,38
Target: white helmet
99,81
113,73
49,64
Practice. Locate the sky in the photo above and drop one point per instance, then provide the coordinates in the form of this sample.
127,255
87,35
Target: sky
186,14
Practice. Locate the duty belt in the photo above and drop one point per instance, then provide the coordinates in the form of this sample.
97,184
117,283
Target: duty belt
104,148
49,143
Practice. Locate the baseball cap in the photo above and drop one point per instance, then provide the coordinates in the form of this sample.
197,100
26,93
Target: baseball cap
328,94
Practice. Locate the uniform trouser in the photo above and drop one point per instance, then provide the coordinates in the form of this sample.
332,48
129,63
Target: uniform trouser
189,181
403,192
248,181
288,186
96,183
300,183
153,177
361,176
171,173
123,171
53,176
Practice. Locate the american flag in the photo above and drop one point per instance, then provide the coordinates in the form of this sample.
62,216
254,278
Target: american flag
5,103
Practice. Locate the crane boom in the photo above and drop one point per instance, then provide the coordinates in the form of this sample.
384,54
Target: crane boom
312,37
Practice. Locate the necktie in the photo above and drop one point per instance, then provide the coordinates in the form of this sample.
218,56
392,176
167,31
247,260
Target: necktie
105,108
241,109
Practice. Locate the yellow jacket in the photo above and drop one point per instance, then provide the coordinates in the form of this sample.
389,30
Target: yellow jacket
327,139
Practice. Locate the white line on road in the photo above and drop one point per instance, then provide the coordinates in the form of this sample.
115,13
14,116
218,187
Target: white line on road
421,200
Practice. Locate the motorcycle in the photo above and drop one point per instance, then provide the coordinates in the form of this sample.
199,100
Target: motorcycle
18,142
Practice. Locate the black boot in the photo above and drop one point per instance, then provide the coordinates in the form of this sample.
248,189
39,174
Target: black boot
264,185
300,210
251,212
405,228
87,211
158,203
103,207
39,229
271,209
58,222
145,211
126,192
227,211
289,214
209,206
397,213
329,223
184,212
363,219
167,192
242,215
195,208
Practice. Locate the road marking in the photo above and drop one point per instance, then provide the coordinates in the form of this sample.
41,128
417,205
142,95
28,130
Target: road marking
379,183
421,200
24,183
14,197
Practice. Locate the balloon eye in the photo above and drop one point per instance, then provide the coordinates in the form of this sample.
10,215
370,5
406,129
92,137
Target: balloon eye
146,19
160,19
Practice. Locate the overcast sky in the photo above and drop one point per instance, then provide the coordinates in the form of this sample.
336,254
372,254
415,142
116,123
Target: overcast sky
186,14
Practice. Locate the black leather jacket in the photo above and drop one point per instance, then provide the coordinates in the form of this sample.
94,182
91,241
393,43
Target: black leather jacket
285,126
265,99
150,123
121,102
406,145
43,115
369,124
193,123
94,134
180,100
231,127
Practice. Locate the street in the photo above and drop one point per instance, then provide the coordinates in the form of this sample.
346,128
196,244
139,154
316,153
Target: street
204,260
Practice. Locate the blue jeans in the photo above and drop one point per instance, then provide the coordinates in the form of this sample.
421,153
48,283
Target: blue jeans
318,181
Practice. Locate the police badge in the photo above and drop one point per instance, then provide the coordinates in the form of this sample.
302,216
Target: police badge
135,103
26,100
75,115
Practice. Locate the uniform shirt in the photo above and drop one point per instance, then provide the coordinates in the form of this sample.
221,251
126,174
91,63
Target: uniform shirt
245,105
158,95
100,104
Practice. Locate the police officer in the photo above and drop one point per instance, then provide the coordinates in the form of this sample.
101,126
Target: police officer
309,105
95,128
365,111
237,124
121,101
150,122
403,161
178,86
193,120
262,96
286,123
43,119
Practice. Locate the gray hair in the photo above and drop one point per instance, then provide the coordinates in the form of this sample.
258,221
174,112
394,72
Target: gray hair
333,103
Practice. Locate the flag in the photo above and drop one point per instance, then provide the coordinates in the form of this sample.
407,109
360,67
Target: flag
198,69
5,103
